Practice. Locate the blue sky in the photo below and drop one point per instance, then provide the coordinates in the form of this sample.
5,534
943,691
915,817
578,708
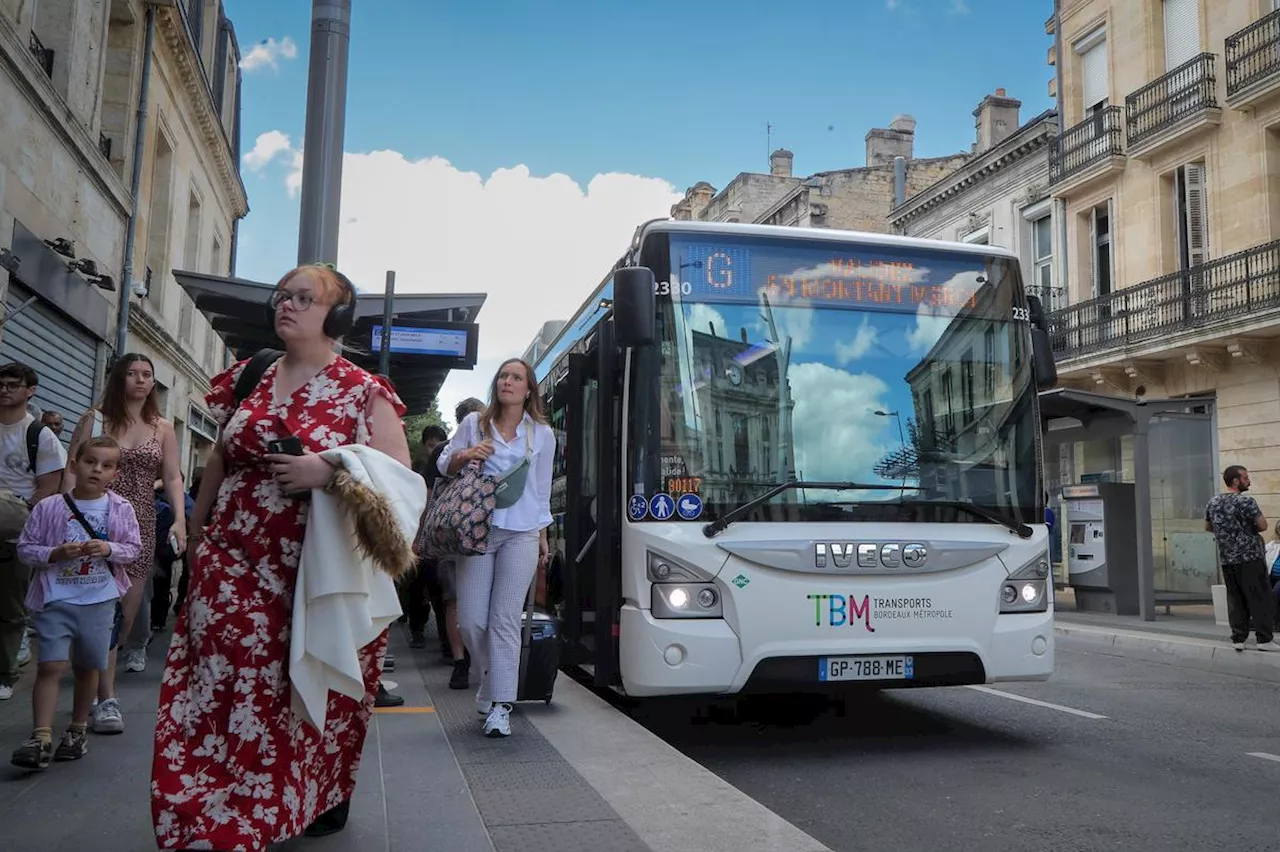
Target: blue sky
666,92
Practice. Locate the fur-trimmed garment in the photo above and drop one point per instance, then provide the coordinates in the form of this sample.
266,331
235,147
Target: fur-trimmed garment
359,539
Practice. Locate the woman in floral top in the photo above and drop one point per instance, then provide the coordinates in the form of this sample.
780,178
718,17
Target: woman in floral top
233,768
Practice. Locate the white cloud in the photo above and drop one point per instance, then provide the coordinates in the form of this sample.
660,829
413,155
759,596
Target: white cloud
266,148
959,7
835,425
268,53
537,246
863,339
930,324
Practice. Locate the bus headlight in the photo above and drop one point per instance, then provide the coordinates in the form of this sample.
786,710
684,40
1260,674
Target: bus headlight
1027,589
686,600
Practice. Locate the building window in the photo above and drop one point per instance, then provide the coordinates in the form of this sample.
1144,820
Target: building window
949,405
1042,262
1192,215
989,364
1095,75
1100,250
159,230
966,387
190,260
1181,32
980,237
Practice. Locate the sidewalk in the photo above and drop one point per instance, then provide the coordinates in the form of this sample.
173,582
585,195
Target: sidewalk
1186,636
575,775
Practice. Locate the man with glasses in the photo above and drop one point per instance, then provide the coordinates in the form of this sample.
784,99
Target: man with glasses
30,477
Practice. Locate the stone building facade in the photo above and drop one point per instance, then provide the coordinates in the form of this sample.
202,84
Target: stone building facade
856,199
69,93
1168,170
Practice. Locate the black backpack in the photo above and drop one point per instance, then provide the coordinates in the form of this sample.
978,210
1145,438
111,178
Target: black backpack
34,428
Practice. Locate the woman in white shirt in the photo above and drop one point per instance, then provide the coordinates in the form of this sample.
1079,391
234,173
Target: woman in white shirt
511,437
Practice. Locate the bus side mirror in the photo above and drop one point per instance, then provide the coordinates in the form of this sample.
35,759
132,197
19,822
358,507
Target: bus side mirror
1046,371
635,307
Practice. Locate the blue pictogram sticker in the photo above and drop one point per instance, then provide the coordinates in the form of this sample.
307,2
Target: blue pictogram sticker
661,506
637,507
689,507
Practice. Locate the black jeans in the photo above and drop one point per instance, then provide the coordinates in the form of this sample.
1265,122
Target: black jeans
414,599
1250,600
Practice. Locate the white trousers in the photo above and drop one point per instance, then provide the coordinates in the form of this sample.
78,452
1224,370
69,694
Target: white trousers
491,594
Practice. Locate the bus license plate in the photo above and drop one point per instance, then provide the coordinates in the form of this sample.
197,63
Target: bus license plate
865,668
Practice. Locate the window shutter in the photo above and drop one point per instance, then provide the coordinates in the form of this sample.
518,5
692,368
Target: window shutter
1196,207
1181,32
1095,84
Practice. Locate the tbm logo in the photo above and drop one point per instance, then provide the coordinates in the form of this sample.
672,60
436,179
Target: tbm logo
837,611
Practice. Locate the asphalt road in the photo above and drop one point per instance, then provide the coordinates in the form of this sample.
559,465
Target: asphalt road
1166,767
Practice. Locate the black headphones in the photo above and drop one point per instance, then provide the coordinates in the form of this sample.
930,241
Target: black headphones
341,317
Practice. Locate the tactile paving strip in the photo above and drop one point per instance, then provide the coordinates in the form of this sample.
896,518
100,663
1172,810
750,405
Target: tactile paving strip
528,795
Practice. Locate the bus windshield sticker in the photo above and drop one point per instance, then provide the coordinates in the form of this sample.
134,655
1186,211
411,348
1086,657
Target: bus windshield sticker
637,507
689,507
661,506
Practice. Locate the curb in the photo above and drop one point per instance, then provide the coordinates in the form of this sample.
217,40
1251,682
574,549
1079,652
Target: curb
670,800
1205,655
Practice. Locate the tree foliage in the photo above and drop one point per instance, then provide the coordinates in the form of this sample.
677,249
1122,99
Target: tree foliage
415,424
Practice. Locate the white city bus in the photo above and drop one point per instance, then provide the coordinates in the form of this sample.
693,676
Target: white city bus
798,459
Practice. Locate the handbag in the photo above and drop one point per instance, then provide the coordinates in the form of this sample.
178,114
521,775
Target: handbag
461,514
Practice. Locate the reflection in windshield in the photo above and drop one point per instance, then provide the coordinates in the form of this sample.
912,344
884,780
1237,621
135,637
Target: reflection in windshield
795,384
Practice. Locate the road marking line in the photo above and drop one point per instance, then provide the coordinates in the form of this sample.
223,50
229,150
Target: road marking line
1074,712
1264,755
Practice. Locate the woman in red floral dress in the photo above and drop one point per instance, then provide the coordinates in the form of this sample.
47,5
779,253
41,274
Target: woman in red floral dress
233,768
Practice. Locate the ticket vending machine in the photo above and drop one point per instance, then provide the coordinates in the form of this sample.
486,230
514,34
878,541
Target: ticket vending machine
1102,546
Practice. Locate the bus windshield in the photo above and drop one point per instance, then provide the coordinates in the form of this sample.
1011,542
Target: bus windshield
840,362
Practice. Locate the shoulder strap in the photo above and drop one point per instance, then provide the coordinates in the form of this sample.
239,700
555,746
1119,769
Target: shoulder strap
79,516
254,371
34,428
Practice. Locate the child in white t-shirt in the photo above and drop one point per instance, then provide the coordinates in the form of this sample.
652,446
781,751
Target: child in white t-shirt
73,541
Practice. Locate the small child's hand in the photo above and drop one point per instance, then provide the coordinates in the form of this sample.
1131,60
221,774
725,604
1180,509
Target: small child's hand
96,548
66,552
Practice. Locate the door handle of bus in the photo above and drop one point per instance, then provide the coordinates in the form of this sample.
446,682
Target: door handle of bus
591,539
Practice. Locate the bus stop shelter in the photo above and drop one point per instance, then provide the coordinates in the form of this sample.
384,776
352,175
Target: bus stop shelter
1103,416
237,310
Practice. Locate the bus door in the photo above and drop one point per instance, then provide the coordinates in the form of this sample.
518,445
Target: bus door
581,390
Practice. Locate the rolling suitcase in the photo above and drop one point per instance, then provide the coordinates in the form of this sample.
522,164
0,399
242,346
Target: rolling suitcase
539,654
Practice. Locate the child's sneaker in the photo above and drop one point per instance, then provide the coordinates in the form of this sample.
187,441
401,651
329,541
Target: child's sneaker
74,745
35,753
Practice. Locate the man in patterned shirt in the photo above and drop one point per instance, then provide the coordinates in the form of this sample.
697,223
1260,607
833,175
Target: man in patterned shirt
1237,525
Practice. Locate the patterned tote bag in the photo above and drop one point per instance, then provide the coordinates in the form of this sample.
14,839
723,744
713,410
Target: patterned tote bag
461,513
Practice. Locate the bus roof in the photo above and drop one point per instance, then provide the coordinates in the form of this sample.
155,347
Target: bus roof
790,232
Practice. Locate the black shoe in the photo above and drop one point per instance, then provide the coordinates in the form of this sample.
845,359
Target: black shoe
74,745
330,822
33,754
461,674
417,639
387,699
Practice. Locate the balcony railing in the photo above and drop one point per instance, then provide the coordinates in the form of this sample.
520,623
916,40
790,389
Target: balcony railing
42,54
1253,54
1220,291
1187,90
1090,142
104,145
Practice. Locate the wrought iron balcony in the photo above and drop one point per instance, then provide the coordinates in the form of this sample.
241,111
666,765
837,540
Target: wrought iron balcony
42,54
1186,91
1093,141
104,145
1050,297
1253,54
1220,292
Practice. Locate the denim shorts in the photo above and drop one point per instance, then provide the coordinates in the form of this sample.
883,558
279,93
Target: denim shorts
80,633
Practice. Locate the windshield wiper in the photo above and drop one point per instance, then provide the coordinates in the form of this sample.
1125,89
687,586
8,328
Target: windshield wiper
1018,527
721,523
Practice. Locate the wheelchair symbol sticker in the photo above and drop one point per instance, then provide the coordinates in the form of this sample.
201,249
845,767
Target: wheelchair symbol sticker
637,507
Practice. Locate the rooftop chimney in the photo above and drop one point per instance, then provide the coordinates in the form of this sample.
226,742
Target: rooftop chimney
780,163
996,119
896,141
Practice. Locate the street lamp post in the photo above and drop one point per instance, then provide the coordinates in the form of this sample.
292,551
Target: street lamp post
901,436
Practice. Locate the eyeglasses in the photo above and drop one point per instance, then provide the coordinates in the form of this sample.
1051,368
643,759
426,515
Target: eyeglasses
301,300
12,385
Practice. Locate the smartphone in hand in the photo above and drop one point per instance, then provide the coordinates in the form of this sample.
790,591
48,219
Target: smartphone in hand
290,446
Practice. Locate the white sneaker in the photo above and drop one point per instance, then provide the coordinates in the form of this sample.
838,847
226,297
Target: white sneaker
1269,646
24,650
6,692
107,718
136,660
1239,646
498,723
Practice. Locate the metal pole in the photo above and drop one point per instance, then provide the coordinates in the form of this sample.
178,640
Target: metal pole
388,305
1142,495
135,187
325,132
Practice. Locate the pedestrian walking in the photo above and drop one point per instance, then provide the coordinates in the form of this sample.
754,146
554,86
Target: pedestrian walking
79,543
1237,524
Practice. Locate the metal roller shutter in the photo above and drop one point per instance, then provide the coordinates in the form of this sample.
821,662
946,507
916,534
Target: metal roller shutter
1181,32
1096,85
63,355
